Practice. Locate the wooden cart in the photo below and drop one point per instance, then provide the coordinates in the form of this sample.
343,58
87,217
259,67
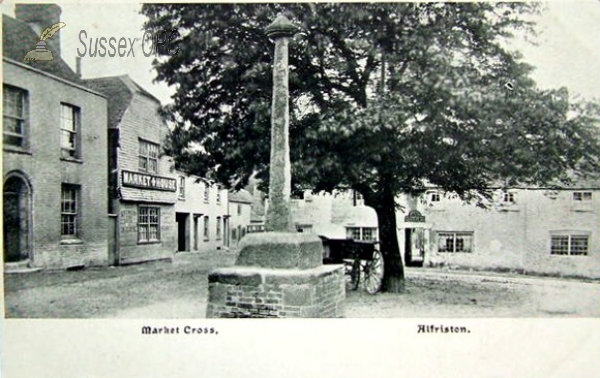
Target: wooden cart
362,260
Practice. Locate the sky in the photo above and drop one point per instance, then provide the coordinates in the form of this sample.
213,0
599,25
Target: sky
567,52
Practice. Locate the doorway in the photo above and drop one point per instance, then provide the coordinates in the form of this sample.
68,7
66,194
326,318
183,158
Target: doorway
17,219
414,246
182,231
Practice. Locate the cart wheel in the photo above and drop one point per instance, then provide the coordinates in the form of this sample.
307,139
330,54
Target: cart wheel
373,273
352,274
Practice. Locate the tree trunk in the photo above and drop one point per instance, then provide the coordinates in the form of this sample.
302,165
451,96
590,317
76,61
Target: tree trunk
393,278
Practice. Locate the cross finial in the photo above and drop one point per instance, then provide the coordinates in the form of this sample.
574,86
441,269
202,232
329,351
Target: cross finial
281,27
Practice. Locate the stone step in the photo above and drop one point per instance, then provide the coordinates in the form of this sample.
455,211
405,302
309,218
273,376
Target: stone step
19,267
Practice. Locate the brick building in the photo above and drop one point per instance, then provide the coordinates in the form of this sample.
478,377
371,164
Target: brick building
527,229
201,215
142,185
54,153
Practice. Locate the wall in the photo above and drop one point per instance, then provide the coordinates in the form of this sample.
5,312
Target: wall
194,203
238,222
141,120
330,214
270,293
43,165
131,251
517,237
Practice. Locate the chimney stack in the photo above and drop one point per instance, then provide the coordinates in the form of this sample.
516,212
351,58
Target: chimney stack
78,66
40,17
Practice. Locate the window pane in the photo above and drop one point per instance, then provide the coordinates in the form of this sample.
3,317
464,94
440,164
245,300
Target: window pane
579,244
13,140
445,242
13,120
13,102
152,150
182,187
353,233
67,140
68,207
143,233
463,243
153,233
152,165
68,118
368,233
143,148
143,163
148,224
13,125
148,156
455,242
559,245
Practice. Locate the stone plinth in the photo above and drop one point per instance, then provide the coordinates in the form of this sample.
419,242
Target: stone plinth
277,275
254,292
281,250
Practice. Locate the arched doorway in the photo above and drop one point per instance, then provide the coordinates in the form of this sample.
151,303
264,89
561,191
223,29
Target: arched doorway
17,218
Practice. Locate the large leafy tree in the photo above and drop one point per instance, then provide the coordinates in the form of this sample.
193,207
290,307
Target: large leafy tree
386,99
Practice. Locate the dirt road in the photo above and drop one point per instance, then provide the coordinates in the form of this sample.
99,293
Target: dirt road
179,290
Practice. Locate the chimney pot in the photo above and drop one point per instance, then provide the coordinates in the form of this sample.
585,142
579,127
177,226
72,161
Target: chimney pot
39,17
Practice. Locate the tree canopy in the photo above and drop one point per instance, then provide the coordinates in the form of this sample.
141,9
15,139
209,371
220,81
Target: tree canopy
386,99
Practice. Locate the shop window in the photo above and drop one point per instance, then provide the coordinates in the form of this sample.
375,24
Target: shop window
148,224
369,234
362,233
569,244
455,242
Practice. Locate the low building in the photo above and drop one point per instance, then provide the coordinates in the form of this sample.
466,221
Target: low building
542,231
54,153
337,215
240,212
142,185
257,213
201,214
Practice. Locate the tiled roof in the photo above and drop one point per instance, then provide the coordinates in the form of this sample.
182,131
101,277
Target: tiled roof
18,39
118,96
257,215
119,91
242,196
